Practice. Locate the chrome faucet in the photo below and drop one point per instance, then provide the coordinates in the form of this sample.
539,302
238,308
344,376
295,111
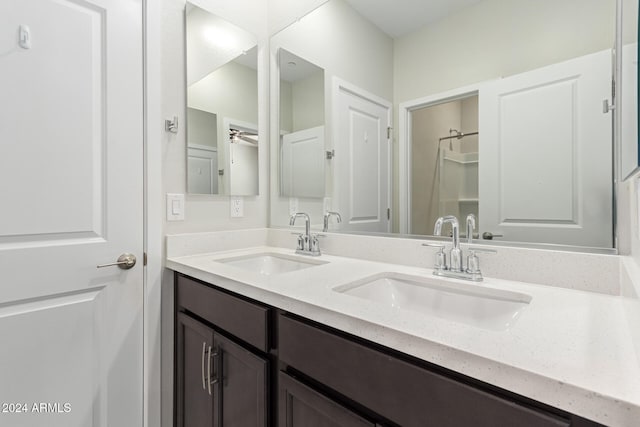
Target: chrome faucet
308,243
455,268
471,225
327,215
455,256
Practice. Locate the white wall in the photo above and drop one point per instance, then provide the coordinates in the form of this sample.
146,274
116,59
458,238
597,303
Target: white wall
360,53
206,212
302,103
493,39
307,98
203,128
230,92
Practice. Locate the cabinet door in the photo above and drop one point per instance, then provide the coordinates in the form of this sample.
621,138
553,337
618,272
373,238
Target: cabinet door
194,401
242,380
301,406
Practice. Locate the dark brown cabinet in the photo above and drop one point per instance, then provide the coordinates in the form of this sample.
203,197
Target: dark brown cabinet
241,363
219,381
195,401
398,391
302,406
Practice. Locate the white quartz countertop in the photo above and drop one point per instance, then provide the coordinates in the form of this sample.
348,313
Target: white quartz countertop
570,349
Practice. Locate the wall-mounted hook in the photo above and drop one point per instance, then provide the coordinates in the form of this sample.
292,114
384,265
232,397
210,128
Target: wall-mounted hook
171,125
24,37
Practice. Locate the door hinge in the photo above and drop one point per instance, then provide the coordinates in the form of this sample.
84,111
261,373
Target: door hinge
389,128
144,259
388,214
606,107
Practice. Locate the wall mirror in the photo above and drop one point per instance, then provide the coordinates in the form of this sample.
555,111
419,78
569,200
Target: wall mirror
477,106
302,145
222,106
629,147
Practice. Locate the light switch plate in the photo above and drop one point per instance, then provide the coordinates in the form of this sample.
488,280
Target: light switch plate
237,207
175,207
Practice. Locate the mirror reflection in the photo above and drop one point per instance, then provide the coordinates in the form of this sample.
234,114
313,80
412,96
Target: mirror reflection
494,109
301,127
629,150
222,106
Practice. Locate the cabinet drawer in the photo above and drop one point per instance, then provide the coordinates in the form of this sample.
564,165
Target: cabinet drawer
246,320
404,393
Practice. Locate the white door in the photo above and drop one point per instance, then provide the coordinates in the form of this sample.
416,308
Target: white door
545,167
302,163
72,197
202,169
362,173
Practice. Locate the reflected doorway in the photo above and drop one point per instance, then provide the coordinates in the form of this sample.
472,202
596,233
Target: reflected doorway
444,163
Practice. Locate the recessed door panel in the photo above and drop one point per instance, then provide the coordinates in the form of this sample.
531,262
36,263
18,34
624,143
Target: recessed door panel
53,120
364,182
533,139
36,355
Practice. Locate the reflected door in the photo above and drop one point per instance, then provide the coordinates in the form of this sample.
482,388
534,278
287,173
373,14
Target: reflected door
72,198
545,154
302,163
362,155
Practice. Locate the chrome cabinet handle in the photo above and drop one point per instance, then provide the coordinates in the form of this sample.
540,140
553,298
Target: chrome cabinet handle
124,261
204,345
209,370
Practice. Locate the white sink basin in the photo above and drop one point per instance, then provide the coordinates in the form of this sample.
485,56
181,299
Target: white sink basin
472,303
270,263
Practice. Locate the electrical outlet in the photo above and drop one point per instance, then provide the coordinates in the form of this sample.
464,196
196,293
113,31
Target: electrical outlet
175,207
293,205
237,207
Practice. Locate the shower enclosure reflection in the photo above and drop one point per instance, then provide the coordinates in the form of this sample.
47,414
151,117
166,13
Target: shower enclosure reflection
444,162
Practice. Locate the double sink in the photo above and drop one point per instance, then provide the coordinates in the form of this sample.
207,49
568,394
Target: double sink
470,303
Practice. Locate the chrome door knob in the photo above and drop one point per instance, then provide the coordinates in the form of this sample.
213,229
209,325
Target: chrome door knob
487,235
124,261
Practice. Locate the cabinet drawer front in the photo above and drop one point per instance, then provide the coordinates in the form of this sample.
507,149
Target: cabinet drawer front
302,406
404,393
245,320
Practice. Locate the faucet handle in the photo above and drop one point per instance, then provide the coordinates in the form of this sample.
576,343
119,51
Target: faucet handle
473,263
301,242
314,245
441,258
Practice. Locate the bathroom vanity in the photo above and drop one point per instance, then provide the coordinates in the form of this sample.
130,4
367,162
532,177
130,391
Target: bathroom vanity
241,363
265,337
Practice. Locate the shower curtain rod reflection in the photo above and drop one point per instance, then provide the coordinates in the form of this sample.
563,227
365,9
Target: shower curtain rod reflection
459,135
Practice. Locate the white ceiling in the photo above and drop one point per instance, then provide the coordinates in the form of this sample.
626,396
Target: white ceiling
294,68
400,17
